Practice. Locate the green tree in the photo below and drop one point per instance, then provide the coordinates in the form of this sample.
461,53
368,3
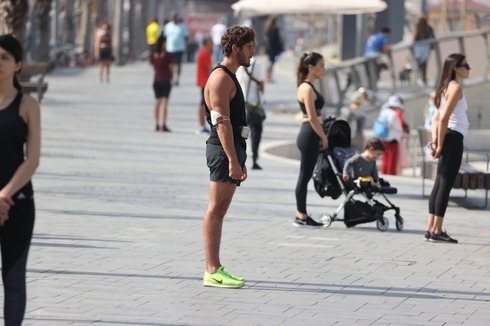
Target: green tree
43,7
13,18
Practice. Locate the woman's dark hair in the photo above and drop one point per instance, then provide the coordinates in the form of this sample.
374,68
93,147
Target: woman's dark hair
306,59
10,44
422,25
160,43
271,22
236,35
452,61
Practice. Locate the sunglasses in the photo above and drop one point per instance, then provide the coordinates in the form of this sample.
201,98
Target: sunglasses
466,66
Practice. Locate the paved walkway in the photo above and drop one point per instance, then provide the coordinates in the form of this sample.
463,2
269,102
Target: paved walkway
118,232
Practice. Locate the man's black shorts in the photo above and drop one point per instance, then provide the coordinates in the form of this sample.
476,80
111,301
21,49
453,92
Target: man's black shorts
218,162
177,57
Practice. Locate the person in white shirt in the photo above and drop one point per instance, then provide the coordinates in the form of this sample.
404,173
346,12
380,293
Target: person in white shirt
217,31
449,126
251,81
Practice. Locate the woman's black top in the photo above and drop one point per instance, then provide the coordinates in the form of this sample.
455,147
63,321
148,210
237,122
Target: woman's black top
319,102
237,113
13,137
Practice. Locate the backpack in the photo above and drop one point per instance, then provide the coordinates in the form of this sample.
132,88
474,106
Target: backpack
380,126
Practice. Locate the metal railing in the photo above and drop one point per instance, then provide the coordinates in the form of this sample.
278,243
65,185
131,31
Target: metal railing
352,73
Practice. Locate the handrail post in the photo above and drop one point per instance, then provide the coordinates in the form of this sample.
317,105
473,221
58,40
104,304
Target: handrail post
392,72
437,51
461,44
487,48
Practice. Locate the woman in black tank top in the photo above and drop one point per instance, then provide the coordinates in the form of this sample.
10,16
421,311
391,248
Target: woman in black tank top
311,137
20,142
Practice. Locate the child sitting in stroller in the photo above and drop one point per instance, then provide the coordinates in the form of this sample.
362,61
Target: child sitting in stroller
360,177
362,167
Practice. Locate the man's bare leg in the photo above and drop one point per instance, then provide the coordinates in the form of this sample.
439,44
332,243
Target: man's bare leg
220,196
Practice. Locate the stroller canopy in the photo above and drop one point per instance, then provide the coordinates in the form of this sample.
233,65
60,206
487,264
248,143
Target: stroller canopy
338,132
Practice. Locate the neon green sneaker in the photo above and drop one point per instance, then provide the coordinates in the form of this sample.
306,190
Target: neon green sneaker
221,279
238,278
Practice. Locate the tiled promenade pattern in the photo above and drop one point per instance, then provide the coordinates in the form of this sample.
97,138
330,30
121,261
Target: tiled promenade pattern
118,232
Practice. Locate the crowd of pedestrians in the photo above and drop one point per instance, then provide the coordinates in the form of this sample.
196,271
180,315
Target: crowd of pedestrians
231,84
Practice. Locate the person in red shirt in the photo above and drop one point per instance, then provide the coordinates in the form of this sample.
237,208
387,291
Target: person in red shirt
204,68
163,67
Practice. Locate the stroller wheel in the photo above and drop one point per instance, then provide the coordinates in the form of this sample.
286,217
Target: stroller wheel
399,222
382,224
326,220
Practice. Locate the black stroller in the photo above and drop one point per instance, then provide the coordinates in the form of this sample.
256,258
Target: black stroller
327,179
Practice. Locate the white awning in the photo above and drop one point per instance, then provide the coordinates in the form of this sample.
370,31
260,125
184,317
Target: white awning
250,8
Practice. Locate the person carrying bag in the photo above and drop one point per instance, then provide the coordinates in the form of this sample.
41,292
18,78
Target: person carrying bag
252,83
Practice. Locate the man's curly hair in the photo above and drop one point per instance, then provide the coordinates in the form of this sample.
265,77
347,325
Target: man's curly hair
236,35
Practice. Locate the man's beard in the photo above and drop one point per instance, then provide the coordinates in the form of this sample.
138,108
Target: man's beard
243,60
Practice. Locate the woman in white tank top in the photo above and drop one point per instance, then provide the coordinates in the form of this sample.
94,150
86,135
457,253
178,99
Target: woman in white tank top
449,126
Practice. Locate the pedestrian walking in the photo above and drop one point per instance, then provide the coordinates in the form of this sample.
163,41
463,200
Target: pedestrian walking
225,147
251,80
449,126
388,127
423,32
402,162
103,50
152,34
20,146
204,68
311,137
217,31
275,45
356,117
162,83
176,33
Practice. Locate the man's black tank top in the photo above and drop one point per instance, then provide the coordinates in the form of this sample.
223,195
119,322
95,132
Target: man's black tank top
13,137
237,113
319,102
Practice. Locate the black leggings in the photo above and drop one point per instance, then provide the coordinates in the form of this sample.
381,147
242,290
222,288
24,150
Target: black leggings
447,170
15,238
309,145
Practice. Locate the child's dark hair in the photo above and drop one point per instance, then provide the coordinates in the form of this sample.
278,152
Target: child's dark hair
10,44
375,144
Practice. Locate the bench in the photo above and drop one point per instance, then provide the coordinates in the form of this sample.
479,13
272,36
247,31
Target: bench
38,86
468,178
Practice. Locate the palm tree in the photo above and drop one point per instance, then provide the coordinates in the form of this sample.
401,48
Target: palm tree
13,17
43,7
85,27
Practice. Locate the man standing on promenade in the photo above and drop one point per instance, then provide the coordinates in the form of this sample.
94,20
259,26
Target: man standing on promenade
225,147
204,68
